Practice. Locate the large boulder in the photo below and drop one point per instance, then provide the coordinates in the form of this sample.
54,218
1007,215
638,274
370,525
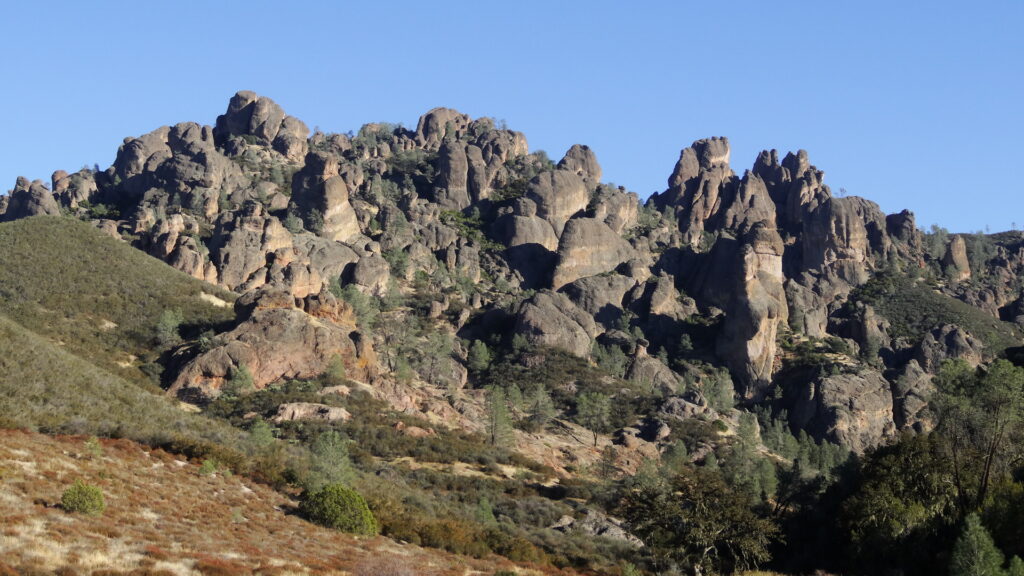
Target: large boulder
948,342
321,194
757,309
582,161
854,410
437,125
955,262
551,319
559,195
588,247
601,296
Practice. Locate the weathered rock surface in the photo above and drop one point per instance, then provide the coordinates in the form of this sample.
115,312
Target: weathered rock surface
588,247
310,411
551,319
560,195
757,309
948,342
279,338
259,117
30,199
854,410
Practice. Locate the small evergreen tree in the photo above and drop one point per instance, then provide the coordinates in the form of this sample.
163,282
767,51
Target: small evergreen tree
593,411
499,421
329,462
334,373
542,407
240,382
479,358
83,498
975,554
166,331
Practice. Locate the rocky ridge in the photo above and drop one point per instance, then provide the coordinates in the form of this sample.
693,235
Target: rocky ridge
459,210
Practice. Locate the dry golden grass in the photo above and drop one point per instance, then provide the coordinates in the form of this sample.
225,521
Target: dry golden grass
164,518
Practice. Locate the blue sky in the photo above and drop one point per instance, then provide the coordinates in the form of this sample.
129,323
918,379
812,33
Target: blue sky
911,108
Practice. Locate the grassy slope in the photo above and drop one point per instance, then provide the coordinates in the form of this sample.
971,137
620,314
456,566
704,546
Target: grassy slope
67,281
42,386
163,517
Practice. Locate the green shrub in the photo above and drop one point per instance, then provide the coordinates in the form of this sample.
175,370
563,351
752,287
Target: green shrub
83,498
340,507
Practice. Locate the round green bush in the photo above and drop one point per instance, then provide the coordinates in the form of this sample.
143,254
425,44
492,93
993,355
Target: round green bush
84,499
340,507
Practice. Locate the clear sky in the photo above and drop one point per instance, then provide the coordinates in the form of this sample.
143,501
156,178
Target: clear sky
910,104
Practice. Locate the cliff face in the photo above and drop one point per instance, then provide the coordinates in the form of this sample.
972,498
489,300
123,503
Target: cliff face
257,205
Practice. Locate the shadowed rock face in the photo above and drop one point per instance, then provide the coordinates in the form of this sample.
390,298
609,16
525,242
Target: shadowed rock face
257,205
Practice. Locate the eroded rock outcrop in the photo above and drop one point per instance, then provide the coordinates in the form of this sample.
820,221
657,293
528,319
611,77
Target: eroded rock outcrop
279,337
30,199
853,410
551,319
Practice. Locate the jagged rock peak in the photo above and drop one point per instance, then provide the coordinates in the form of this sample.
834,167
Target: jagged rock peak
582,160
703,155
249,114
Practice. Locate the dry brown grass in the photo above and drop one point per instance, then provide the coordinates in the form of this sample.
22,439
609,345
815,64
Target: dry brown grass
162,517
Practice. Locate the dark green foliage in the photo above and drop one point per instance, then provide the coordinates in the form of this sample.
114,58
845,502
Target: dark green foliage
913,308
981,414
694,519
340,507
974,553
240,382
479,358
82,498
499,418
900,514
593,411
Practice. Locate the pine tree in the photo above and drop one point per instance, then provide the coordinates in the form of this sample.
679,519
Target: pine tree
593,410
1016,567
479,358
329,462
542,408
499,421
975,554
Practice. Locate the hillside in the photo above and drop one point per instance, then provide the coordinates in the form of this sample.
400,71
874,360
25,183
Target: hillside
506,355
97,296
45,387
164,516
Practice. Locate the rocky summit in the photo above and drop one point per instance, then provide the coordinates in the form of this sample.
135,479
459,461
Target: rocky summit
437,268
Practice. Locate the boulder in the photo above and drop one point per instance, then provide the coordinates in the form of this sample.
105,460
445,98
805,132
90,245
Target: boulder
259,117
948,342
954,262
559,195
310,411
551,319
438,124
757,308
854,410
588,247
582,161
